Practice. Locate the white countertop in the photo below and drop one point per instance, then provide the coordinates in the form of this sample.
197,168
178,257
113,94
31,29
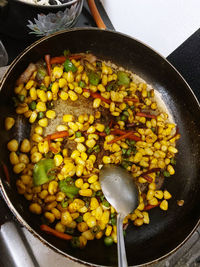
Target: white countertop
162,24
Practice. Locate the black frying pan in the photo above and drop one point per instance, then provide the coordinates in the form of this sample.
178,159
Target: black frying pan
167,230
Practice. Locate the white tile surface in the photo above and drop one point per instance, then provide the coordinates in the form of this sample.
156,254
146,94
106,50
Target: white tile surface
162,24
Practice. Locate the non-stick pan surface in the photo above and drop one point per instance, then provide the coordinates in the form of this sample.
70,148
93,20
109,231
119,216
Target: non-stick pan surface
167,229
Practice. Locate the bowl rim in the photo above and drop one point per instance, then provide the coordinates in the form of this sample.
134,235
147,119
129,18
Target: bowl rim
71,2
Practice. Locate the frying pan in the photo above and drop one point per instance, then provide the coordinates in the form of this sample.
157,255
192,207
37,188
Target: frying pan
167,230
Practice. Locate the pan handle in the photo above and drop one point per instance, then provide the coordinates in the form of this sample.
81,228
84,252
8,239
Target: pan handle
95,13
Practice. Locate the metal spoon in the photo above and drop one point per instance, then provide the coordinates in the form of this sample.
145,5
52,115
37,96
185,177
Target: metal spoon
122,193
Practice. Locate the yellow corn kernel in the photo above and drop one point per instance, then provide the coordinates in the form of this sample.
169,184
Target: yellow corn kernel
19,167
153,201
58,159
73,126
14,159
82,227
106,160
51,114
13,145
84,209
72,95
80,139
18,89
150,194
69,76
29,84
35,157
66,218
24,158
85,186
93,179
105,217
79,170
94,203
78,90
98,213
41,106
84,156
167,195
170,169
172,149
158,194
37,138
141,206
86,216
33,117
79,183
55,88
33,93
60,196
68,118
43,122
60,227
9,122
137,157
88,235
75,154
49,216
164,205
138,222
91,129
25,146
100,127
35,208
91,222
145,217
85,192
108,230
43,194
38,130
96,102
90,143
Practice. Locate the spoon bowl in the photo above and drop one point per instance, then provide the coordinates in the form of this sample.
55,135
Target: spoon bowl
122,193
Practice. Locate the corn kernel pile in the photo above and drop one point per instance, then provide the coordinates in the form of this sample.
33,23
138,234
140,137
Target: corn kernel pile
70,200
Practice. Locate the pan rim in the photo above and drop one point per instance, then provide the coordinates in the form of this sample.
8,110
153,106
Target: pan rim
2,188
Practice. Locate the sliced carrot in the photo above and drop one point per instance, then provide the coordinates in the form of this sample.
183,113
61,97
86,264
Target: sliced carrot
146,115
149,207
133,99
47,60
75,56
51,231
58,60
101,134
120,138
97,95
53,149
147,177
56,135
121,132
6,172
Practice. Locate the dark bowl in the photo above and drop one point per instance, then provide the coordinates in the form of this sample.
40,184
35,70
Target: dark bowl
22,18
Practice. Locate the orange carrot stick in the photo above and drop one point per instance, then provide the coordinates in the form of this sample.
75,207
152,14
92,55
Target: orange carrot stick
47,60
120,138
146,115
149,207
58,60
97,95
56,135
121,132
75,56
147,177
133,99
51,231
6,172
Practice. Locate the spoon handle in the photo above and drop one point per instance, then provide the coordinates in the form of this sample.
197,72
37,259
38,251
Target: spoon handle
122,261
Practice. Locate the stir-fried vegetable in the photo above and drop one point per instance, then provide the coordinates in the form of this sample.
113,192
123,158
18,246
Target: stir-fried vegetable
57,168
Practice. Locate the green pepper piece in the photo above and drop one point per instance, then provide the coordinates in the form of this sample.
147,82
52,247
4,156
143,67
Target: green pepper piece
68,65
69,230
123,78
107,130
94,78
112,86
21,98
66,52
108,241
41,73
32,105
79,219
82,84
75,242
67,188
78,134
106,203
43,87
40,115
173,161
42,172
166,174
96,149
113,221
126,113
